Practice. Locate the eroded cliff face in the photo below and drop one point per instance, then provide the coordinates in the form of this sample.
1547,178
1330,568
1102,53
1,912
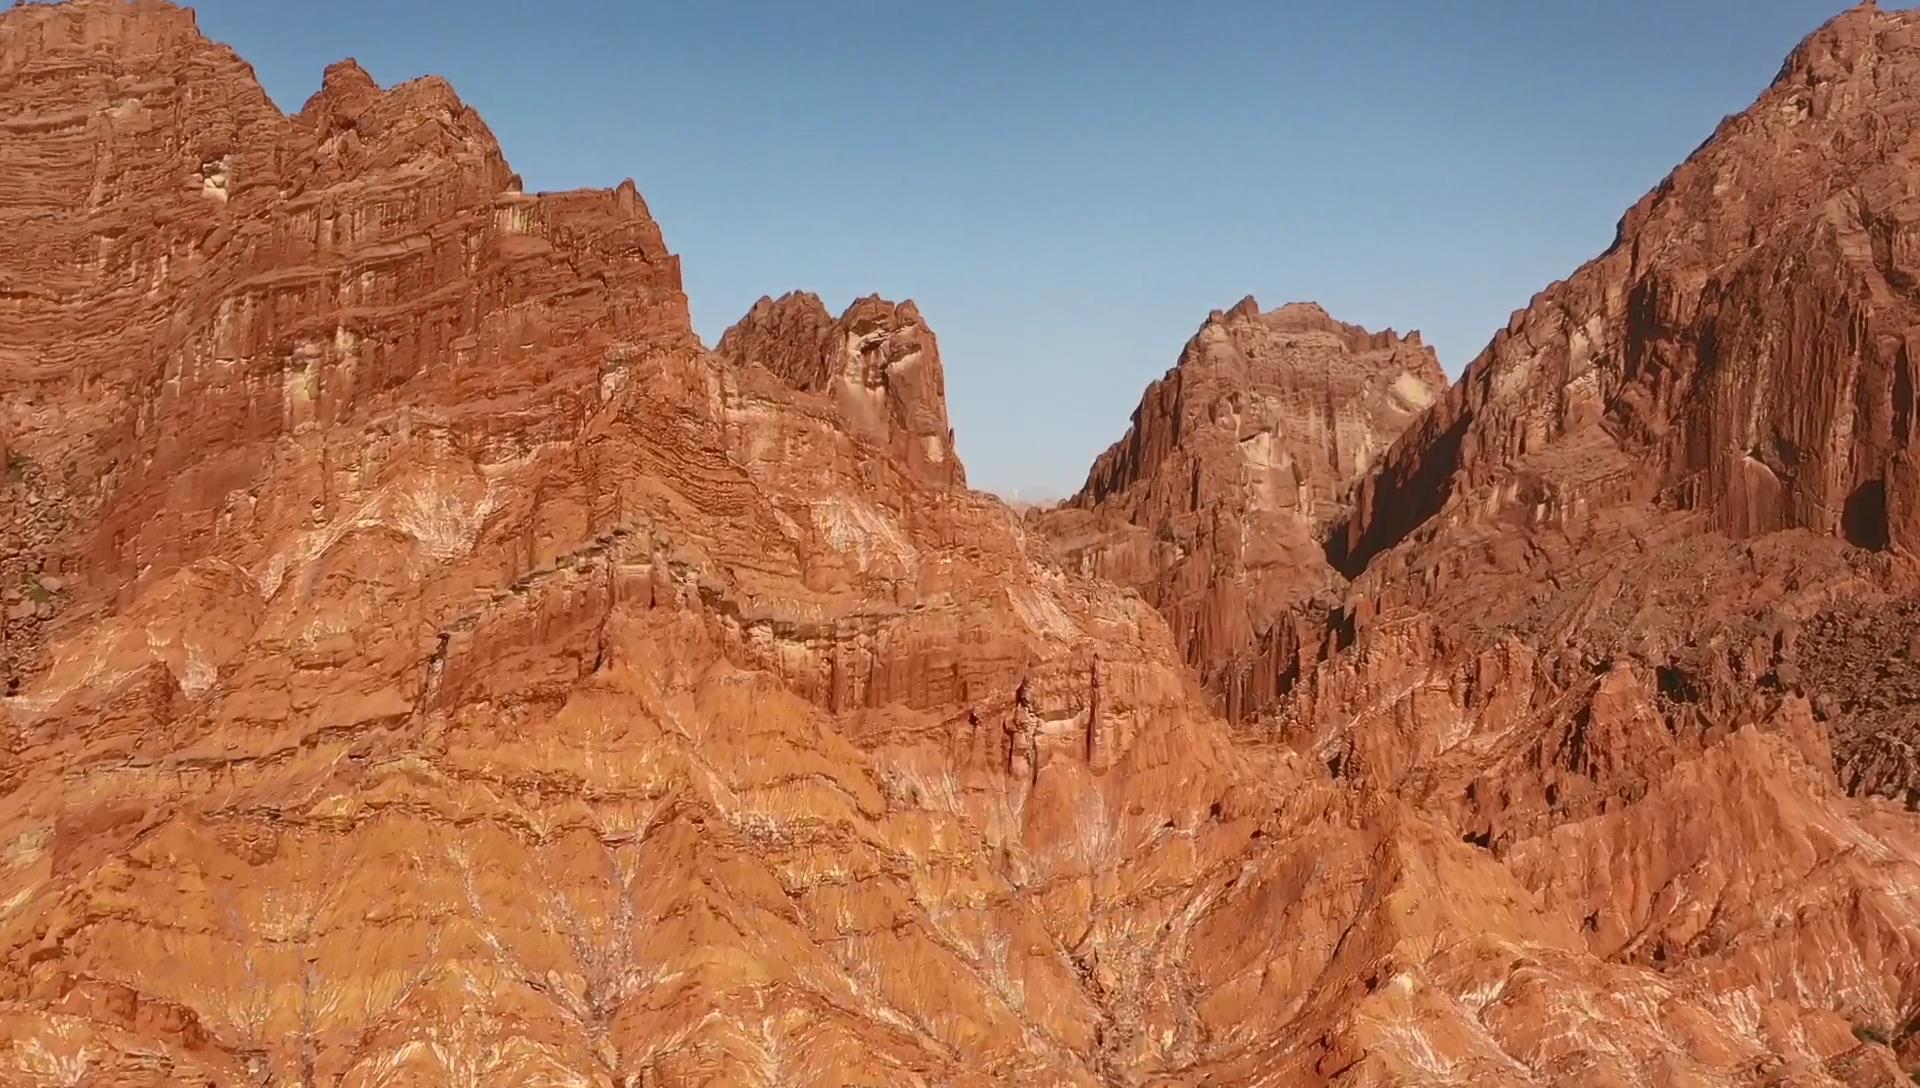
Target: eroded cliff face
1740,350
454,675
1630,606
879,364
1213,504
201,288
1733,370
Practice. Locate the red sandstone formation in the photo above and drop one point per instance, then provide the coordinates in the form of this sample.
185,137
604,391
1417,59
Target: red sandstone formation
1733,373
879,365
1740,351
1631,604
1214,502
441,670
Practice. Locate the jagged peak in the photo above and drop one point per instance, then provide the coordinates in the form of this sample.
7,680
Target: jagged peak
1838,37
1248,306
807,306
1379,376
137,33
875,344
626,197
1301,314
1307,316
345,74
871,309
1303,317
1803,195
785,334
793,301
346,91
429,91
1832,79
797,316
419,118
117,24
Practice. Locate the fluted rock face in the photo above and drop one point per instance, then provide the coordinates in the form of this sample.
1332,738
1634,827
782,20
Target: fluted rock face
1631,604
441,670
1630,611
1213,504
879,364
1734,368
200,287
1742,349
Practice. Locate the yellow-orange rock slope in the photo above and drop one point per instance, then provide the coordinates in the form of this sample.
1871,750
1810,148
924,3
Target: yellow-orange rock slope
428,665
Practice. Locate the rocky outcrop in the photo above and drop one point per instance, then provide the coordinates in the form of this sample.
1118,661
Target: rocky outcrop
200,286
1629,605
879,364
1214,503
1741,349
455,674
1732,370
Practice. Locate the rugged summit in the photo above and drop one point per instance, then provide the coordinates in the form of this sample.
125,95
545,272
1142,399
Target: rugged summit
1214,503
447,669
1741,350
1631,605
1734,373
879,365
430,666
199,286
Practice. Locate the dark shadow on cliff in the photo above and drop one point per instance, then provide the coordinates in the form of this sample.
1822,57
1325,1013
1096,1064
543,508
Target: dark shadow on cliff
1398,500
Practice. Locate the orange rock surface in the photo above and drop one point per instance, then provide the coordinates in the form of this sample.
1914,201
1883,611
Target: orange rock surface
1214,503
428,665
878,364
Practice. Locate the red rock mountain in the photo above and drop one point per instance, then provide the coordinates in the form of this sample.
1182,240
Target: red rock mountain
879,365
1633,605
1740,350
1214,503
1726,393
429,665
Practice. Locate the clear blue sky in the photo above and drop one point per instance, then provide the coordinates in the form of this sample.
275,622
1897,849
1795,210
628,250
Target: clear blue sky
1067,188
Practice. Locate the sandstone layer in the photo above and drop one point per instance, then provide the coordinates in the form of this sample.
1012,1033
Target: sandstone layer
441,669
